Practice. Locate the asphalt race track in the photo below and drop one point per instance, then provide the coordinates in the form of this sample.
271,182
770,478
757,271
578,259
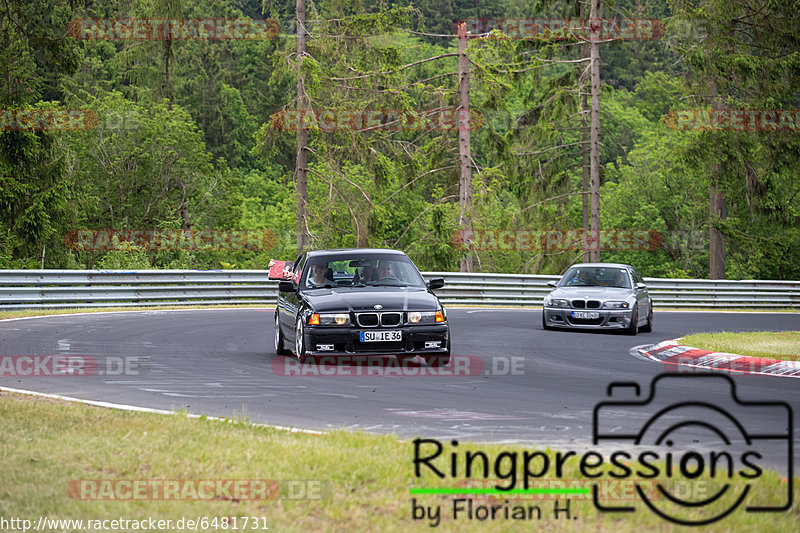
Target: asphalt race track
525,384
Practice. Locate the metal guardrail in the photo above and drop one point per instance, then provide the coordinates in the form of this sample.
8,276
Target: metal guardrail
521,289
41,289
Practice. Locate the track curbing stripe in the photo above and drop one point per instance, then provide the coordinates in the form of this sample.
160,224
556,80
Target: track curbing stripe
673,353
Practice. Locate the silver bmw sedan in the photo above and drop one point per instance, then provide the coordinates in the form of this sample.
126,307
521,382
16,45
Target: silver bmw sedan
599,296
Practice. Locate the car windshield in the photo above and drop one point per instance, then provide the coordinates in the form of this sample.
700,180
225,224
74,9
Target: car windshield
361,270
595,277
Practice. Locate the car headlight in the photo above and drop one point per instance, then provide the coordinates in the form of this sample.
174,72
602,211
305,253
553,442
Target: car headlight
615,305
555,302
331,319
425,317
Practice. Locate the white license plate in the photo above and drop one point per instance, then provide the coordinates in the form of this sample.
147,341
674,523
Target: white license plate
585,314
381,336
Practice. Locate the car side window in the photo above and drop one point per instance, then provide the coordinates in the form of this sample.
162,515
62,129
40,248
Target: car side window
298,269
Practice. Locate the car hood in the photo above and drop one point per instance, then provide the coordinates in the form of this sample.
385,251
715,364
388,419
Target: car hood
591,293
364,299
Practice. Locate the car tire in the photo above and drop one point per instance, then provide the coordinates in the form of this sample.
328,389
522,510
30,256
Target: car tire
299,343
647,328
279,340
633,329
544,322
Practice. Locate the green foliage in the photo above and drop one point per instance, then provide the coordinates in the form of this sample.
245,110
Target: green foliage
184,138
129,257
743,59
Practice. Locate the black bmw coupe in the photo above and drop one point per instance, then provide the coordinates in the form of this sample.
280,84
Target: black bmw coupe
360,301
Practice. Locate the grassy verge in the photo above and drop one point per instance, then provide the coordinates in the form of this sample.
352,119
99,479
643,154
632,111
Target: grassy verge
769,344
365,479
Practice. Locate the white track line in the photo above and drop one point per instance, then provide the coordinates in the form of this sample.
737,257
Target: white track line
124,407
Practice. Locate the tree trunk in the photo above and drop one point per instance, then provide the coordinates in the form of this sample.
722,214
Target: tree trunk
594,156
584,103
717,210
465,183
167,56
362,240
301,162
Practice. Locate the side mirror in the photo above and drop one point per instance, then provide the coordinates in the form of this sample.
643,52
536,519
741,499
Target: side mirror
286,286
436,283
640,286
551,283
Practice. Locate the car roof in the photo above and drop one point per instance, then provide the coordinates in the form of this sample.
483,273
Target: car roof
350,251
604,265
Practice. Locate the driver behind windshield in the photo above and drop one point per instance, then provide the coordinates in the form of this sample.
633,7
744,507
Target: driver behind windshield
620,280
316,277
385,271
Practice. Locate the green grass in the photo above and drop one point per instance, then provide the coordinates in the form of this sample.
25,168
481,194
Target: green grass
48,443
783,345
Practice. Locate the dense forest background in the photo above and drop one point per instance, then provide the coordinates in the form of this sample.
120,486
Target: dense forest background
187,138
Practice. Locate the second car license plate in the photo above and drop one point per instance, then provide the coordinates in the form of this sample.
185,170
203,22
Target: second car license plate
381,336
585,314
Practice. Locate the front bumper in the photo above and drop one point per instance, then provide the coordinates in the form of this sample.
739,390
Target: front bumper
339,340
560,317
